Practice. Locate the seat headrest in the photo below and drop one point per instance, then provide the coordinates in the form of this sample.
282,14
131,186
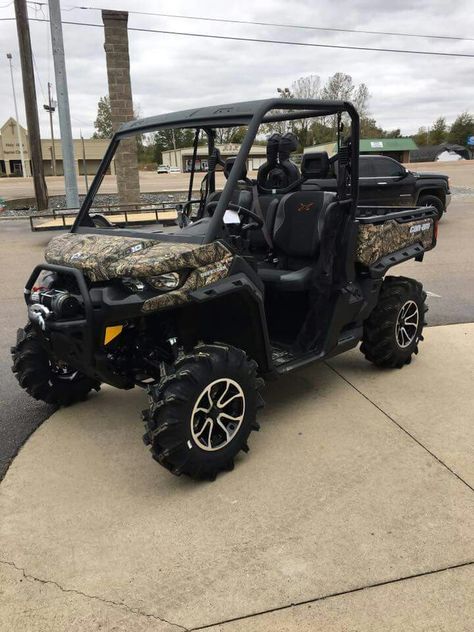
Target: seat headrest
273,142
288,143
315,164
215,159
229,163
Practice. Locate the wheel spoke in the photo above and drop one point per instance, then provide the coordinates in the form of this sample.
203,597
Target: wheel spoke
230,417
223,394
207,421
228,436
209,436
405,335
231,399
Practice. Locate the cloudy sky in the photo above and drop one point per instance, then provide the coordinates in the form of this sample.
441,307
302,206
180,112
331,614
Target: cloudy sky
175,72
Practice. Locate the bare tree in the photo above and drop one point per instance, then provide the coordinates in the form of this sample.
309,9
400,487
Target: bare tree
339,87
308,87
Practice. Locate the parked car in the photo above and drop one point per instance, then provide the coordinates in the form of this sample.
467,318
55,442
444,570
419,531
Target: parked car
174,170
383,181
163,169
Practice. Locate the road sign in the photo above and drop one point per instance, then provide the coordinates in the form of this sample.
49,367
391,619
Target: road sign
470,140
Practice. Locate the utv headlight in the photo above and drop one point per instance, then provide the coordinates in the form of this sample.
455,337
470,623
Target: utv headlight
134,285
165,282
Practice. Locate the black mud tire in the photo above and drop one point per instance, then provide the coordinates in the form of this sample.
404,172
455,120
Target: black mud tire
169,421
35,374
432,200
379,343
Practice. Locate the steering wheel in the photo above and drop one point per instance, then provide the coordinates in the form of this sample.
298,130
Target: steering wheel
241,210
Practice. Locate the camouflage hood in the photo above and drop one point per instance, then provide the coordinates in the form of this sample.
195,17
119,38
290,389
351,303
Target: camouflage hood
105,257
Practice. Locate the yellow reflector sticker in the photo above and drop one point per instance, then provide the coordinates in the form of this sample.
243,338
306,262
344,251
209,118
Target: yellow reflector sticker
111,333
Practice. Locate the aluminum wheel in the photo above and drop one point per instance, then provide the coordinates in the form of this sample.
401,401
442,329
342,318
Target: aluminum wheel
217,414
407,324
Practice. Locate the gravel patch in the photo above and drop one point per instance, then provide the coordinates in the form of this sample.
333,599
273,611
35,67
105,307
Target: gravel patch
58,202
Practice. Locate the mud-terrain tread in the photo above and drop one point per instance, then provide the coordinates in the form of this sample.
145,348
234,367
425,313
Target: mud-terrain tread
378,343
32,370
167,418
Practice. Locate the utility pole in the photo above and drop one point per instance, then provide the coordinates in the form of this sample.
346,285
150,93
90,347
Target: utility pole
51,107
18,132
72,196
31,107
174,148
84,162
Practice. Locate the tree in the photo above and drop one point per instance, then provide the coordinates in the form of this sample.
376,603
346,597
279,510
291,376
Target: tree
103,122
439,131
462,127
422,136
394,133
369,128
225,135
163,140
308,87
304,88
341,87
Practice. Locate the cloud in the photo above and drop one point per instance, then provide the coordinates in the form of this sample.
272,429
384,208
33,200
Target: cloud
175,72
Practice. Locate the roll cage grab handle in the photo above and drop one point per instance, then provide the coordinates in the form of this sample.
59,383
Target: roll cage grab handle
309,109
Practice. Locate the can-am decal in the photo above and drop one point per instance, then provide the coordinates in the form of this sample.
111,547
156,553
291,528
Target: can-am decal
418,228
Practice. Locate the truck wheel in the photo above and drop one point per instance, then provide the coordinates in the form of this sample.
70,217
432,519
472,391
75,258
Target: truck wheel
394,328
432,200
44,379
201,415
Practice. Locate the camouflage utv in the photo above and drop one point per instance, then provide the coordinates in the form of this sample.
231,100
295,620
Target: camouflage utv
263,277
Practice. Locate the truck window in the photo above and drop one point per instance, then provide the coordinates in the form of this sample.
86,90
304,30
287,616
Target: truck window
387,168
365,167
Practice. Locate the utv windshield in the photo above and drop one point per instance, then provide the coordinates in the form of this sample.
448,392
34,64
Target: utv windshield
181,171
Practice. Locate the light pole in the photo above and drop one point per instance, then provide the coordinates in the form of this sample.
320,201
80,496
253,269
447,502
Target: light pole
51,107
72,195
18,133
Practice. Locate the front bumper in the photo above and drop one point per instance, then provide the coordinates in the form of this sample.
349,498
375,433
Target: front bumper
75,341
448,200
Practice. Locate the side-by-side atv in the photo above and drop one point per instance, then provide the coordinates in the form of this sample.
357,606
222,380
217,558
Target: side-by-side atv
261,278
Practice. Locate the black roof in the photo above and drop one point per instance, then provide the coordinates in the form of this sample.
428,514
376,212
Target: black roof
233,114
429,153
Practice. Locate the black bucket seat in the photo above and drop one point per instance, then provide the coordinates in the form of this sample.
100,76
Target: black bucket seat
297,231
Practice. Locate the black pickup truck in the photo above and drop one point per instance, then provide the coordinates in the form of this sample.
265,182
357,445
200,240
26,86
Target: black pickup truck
385,182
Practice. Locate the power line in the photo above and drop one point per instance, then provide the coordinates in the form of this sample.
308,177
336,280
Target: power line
291,26
272,41
274,24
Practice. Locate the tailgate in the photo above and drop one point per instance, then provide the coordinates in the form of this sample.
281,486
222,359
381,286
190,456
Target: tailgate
386,230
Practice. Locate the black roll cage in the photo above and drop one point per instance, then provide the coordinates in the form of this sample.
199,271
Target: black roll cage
252,114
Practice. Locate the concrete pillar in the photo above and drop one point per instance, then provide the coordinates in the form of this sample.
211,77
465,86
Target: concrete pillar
121,103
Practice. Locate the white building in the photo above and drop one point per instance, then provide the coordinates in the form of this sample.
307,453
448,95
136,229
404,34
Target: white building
182,158
10,159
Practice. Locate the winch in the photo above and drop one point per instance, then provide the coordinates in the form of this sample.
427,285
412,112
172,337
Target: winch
49,301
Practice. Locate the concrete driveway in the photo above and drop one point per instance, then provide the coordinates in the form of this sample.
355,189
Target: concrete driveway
354,510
